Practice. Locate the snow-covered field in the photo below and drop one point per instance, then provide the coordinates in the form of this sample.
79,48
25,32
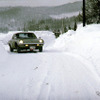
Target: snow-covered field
68,69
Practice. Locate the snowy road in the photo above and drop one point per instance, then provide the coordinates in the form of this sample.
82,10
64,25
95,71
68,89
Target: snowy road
72,73
47,76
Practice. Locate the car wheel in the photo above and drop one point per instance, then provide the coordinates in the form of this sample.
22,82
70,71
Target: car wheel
11,49
40,49
18,49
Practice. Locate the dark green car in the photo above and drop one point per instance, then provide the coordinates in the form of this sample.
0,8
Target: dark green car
25,41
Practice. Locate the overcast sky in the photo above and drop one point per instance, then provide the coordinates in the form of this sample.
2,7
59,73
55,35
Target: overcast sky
34,3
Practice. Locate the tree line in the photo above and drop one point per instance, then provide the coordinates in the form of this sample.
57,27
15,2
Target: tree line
92,11
58,26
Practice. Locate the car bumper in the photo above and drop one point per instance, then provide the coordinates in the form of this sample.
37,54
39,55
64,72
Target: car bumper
29,45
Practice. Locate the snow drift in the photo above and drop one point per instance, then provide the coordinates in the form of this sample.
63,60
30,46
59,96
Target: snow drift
84,42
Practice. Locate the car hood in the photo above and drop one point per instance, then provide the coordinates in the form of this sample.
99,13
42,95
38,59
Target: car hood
30,40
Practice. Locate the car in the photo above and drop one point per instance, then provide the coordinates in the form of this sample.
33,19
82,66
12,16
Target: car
25,41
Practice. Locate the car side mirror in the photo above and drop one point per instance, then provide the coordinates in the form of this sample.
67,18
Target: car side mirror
39,37
14,37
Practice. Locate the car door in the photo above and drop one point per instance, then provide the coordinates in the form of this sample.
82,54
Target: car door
13,41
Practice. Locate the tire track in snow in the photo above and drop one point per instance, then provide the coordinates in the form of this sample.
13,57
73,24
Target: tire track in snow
59,76
70,81
34,79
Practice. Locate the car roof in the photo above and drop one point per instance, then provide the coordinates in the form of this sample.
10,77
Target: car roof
25,32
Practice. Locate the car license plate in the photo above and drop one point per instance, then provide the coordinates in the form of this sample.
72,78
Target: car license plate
32,47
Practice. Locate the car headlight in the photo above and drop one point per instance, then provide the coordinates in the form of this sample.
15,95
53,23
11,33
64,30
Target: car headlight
21,42
40,41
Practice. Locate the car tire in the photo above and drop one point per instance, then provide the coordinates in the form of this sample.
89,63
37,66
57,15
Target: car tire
18,49
40,49
11,49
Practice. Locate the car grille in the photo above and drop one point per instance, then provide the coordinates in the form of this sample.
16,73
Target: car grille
30,45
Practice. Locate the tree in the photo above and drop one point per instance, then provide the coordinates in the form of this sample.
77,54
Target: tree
92,11
65,29
69,27
46,27
57,33
75,26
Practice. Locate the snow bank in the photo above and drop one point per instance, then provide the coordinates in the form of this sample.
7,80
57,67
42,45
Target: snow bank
6,37
85,42
47,36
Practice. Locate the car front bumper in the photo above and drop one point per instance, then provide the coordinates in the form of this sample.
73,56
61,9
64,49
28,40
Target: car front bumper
29,45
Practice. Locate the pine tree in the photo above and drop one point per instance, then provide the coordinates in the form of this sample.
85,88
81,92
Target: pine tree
69,27
65,29
46,27
75,26
92,11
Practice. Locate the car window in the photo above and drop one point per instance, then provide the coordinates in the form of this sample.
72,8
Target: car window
14,37
26,35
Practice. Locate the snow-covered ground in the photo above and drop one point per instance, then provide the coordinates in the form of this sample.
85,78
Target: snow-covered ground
68,69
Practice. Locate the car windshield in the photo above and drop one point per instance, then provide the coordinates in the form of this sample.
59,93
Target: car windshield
26,35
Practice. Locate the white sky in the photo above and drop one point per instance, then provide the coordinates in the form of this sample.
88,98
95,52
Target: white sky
34,3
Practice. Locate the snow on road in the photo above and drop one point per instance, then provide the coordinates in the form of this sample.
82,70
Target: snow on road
51,75
47,76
